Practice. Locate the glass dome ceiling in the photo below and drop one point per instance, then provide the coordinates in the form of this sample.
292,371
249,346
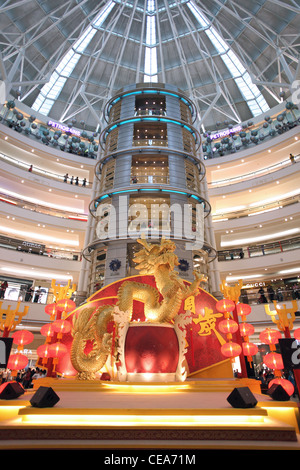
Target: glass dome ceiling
234,58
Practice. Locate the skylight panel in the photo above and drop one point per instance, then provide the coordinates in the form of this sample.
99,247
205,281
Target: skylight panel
150,66
151,5
67,64
250,92
150,31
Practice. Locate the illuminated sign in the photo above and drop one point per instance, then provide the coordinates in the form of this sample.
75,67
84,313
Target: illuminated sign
64,128
225,133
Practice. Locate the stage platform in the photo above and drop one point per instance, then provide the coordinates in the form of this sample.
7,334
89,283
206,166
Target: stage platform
194,414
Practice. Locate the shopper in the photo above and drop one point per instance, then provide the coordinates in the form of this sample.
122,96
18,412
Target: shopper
3,288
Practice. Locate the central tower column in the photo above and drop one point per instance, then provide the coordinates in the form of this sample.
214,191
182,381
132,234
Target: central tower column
151,184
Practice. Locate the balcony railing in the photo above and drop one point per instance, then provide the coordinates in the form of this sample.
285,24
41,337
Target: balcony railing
38,249
149,143
255,174
41,172
84,144
280,294
22,203
150,112
218,144
149,179
259,250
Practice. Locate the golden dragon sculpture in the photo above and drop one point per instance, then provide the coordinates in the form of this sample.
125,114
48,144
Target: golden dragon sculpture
161,304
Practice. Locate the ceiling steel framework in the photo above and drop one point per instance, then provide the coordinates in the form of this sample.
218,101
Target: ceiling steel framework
263,34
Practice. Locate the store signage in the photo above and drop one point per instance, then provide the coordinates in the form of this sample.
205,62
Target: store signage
63,128
225,133
33,245
254,284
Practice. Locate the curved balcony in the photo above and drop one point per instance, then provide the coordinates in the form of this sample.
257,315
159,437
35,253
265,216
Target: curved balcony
152,90
149,119
264,208
270,170
26,246
146,151
250,135
24,265
41,172
206,249
152,189
259,250
63,137
41,209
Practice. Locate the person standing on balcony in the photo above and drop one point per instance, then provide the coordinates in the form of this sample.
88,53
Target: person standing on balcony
3,288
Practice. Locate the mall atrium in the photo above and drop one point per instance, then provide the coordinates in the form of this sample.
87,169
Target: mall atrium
155,101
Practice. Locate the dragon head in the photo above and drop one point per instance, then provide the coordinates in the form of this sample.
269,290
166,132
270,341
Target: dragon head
151,256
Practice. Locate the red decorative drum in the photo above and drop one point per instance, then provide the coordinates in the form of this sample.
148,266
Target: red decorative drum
151,351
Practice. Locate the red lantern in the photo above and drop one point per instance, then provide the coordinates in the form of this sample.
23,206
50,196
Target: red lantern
66,305
269,336
243,310
61,327
58,349
17,361
231,349
249,349
246,329
297,334
286,384
228,326
44,352
52,310
22,337
225,305
274,361
48,331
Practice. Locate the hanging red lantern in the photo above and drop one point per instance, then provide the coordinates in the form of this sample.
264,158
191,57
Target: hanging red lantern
58,350
270,336
274,360
22,337
52,310
48,331
249,349
61,327
297,334
43,351
228,326
246,329
66,305
17,361
286,384
243,310
231,349
225,305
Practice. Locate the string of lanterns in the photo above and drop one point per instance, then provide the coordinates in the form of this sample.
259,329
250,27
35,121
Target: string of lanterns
53,349
19,360
246,330
273,360
229,326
